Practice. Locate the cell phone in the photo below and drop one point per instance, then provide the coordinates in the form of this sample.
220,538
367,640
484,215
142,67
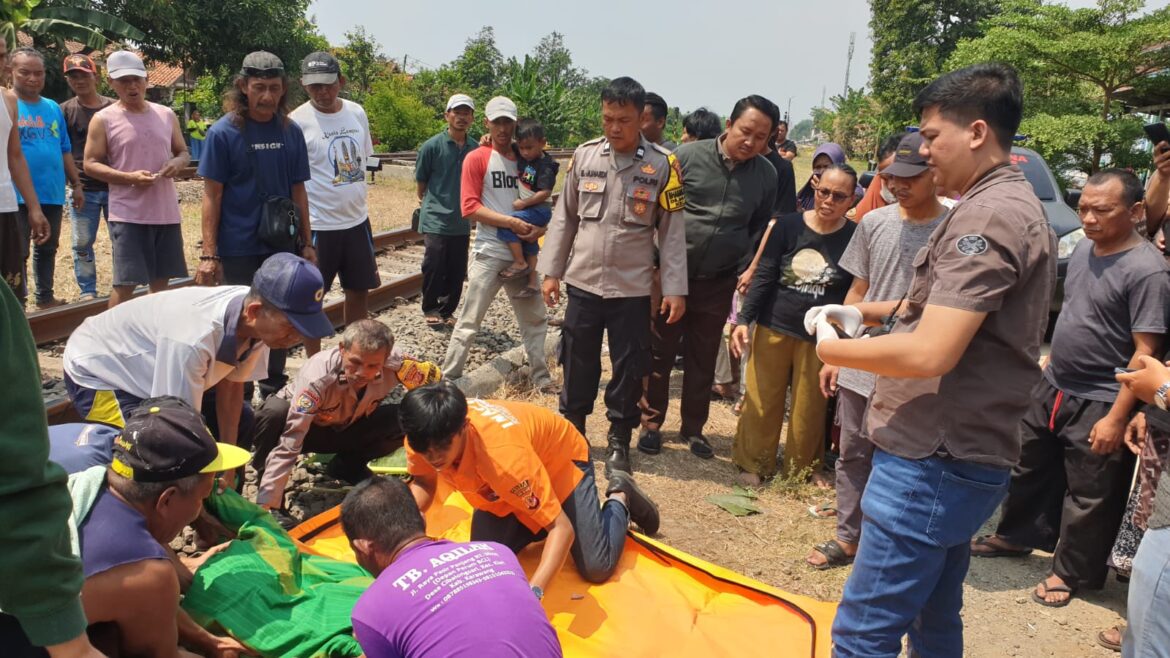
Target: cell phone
1157,132
1123,371
841,333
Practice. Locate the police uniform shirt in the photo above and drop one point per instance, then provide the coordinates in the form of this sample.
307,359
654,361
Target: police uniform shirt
611,215
994,253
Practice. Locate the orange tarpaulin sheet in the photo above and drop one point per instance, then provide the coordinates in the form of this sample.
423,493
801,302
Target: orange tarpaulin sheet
659,602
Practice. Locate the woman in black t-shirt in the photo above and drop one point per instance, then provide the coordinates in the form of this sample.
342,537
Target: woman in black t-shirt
798,270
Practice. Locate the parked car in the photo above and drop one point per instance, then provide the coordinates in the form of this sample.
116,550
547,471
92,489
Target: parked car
1060,206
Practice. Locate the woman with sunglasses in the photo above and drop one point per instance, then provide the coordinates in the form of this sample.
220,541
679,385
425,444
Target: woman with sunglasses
797,271
826,154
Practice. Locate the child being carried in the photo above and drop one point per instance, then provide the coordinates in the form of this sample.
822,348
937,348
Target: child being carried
538,176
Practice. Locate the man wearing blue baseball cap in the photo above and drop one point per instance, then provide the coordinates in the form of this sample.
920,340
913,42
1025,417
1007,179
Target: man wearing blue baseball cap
188,341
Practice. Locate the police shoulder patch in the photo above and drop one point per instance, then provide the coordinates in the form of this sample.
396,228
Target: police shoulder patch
673,198
307,401
971,244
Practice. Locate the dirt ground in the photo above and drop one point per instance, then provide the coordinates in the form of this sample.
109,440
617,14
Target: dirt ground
1000,617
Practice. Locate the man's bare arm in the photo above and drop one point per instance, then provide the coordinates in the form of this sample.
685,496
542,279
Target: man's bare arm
931,350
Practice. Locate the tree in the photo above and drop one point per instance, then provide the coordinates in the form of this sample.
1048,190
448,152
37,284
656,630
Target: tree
852,123
802,130
480,64
912,40
398,117
54,23
1074,63
362,63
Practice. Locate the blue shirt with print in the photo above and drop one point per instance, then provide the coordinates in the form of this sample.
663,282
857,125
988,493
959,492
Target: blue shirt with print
273,152
43,138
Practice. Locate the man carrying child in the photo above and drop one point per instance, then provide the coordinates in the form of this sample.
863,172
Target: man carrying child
538,176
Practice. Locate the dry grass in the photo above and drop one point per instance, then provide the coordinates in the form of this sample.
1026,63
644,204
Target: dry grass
391,201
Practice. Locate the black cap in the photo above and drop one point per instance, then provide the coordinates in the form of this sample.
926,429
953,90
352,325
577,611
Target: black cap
319,68
165,439
907,163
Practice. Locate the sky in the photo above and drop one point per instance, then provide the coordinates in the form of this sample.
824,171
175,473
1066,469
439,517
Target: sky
692,53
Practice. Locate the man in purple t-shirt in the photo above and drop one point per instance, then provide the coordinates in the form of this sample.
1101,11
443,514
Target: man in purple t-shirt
436,597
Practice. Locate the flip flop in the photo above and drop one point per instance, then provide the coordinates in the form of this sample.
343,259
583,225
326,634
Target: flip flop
989,548
819,511
835,556
434,322
1047,590
1104,640
512,273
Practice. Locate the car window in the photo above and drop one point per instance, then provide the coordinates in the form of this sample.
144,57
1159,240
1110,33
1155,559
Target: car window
1037,174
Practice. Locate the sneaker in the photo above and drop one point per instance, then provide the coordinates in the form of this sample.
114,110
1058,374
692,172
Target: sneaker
643,511
87,297
650,442
699,446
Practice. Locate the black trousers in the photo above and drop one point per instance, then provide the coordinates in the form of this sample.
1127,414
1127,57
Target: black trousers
1062,496
626,321
373,436
238,271
699,333
444,268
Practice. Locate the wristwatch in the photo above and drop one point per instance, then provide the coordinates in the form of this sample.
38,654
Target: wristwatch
538,592
1160,396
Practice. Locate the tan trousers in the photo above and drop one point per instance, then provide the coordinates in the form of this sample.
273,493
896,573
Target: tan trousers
776,361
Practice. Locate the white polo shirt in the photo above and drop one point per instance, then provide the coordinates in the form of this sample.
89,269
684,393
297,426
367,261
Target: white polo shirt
338,145
178,342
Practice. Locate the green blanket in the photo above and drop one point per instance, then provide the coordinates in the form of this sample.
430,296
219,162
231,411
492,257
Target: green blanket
265,593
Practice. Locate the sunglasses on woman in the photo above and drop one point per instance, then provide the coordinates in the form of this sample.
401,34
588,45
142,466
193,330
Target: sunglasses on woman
838,197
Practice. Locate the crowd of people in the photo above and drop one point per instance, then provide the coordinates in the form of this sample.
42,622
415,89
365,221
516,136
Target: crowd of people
891,336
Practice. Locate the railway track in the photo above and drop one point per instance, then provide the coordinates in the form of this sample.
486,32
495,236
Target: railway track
58,323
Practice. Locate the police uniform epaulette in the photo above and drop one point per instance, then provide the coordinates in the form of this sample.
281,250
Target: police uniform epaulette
596,140
662,150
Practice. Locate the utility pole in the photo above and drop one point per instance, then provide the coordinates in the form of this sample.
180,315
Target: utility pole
404,63
789,110
822,95
848,63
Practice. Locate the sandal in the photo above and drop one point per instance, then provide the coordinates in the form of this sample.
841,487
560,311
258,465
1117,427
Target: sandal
822,511
835,556
525,293
1107,641
988,546
434,321
512,273
1042,600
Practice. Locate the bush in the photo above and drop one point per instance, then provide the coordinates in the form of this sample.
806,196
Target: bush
399,119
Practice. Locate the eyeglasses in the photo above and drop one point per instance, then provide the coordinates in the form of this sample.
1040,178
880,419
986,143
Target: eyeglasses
251,72
838,197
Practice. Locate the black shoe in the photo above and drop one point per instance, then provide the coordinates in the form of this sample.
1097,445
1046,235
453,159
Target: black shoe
699,446
617,452
643,511
650,442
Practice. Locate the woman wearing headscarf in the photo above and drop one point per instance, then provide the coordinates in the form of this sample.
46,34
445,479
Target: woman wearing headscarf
825,155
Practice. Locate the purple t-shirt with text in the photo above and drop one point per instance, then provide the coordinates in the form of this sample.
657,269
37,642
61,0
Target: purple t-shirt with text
441,598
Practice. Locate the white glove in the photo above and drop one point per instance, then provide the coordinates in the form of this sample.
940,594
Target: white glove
825,331
849,318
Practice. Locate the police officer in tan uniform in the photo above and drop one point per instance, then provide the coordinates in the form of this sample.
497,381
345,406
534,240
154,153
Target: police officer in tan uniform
622,196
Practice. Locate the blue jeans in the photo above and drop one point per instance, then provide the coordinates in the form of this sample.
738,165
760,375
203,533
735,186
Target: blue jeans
918,519
85,227
196,148
1148,632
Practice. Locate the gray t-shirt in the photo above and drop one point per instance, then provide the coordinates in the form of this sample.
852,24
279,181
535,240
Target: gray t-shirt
1106,300
882,252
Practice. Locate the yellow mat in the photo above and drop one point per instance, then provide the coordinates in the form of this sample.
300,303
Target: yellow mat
660,602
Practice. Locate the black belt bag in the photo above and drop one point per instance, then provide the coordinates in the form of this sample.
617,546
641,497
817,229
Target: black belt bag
280,222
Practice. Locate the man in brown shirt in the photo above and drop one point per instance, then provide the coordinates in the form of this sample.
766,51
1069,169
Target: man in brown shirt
955,373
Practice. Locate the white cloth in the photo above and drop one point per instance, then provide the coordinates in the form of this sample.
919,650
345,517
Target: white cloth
338,145
7,191
162,344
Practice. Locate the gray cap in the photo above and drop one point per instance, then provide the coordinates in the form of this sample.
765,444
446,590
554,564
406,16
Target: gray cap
319,68
500,107
908,162
262,64
124,63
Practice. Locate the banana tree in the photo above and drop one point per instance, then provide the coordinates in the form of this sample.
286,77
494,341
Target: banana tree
59,21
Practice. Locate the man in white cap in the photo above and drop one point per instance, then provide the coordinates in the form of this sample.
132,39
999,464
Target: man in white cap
437,172
488,189
145,225
337,138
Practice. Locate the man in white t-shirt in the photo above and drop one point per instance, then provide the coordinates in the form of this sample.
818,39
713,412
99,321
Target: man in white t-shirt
185,342
337,138
487,190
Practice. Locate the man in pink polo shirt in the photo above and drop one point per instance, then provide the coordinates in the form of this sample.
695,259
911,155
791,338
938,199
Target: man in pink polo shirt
488,188
137,147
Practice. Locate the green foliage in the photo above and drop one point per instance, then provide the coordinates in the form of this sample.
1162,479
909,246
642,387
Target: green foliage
54,22
912,40
853,122
1075,64
211,37
399,119
362,62
801,131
